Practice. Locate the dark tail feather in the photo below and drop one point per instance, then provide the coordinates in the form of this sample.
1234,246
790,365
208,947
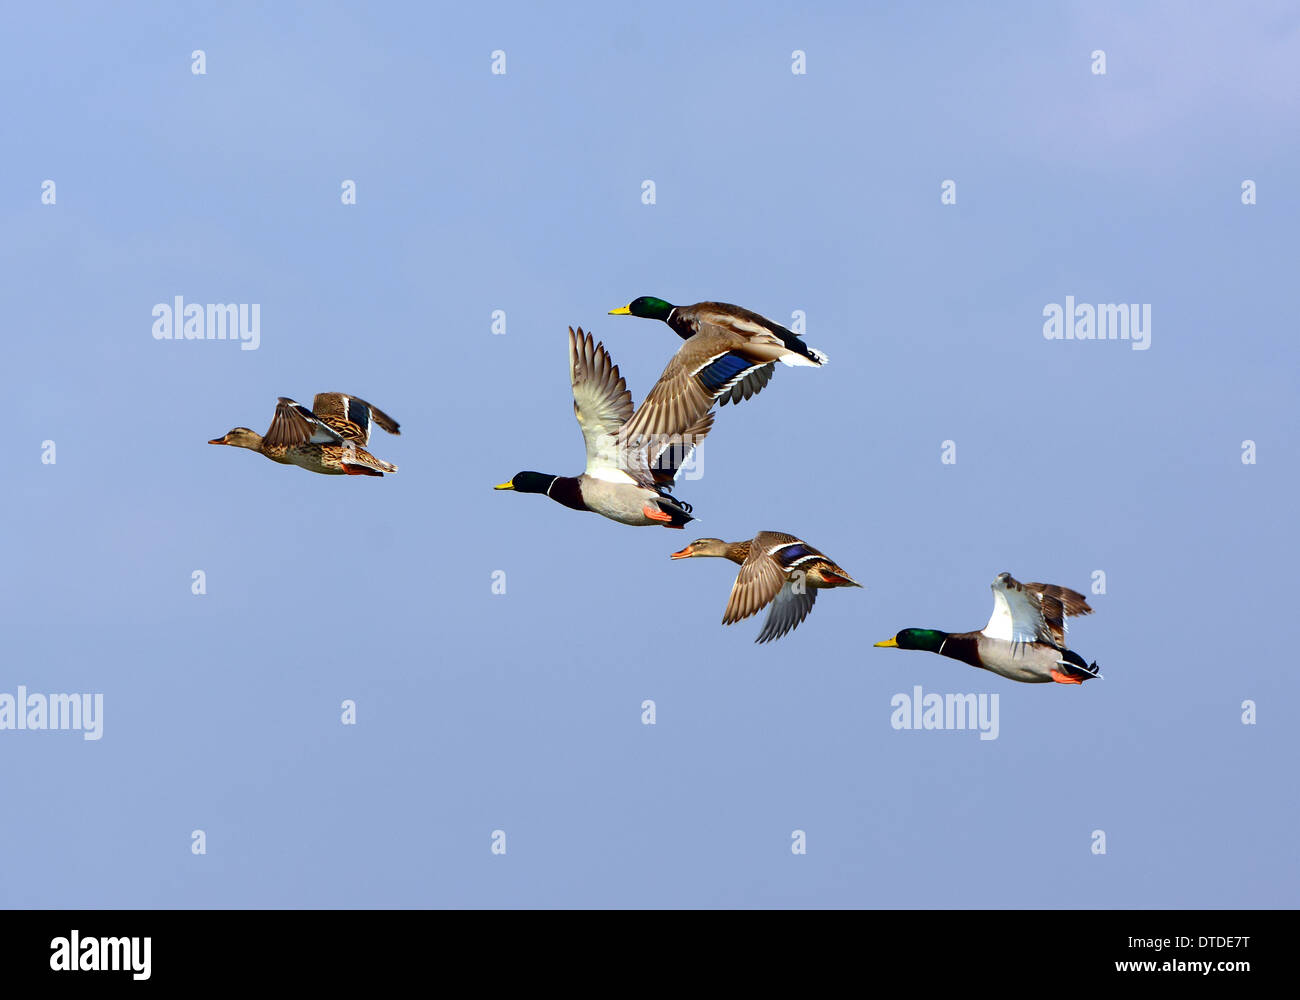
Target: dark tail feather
679,512
1076,666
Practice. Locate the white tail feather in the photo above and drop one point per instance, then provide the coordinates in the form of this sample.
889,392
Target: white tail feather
799,361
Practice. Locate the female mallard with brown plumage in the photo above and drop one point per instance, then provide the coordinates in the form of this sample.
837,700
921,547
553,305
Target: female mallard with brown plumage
730,352
1024,639
329,438
777,569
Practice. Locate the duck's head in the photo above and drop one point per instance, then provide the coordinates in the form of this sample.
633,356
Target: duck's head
927,639
703,547
240,437
647,307
527,482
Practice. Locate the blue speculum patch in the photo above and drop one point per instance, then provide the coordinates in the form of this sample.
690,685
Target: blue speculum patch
790,553
718,373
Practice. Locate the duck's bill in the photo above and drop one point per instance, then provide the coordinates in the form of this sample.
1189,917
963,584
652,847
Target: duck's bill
504,486
219,440
621,311
683,554
889,644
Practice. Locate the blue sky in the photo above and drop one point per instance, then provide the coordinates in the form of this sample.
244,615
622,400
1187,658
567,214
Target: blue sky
522,712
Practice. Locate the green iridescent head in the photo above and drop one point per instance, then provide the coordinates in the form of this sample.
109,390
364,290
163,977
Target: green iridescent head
926,639
647,307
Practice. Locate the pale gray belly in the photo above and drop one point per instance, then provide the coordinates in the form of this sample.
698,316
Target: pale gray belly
622,502
1030,663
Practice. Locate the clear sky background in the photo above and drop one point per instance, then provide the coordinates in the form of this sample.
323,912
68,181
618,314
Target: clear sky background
522,712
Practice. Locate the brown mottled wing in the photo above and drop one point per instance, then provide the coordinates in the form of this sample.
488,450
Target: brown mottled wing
678,400
350,416
664,457
294,425
769,541
681,396
601,400
1057,604
790,606
760,579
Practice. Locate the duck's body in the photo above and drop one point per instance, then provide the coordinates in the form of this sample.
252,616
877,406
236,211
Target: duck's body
632,456
777,569
626,502
730,352
631,503
1028,662
327,439
1024,639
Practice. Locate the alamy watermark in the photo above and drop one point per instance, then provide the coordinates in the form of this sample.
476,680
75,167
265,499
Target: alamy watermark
1106,321
211,321
75,953
919,710
83,712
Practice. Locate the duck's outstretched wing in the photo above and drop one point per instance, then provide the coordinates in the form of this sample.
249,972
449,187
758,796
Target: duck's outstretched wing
294,425
791,606
661,459
350,416
1032,612
601,402
794,599
708,366
1057,604
749,385
760,579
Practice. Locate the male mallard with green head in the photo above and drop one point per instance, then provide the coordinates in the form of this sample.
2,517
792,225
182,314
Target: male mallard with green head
776,569
329,438
632,457
730,352
1024,639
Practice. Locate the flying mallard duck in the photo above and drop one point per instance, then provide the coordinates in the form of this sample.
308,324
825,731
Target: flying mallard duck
327,439
632,458
729,351
1024,639
776,569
